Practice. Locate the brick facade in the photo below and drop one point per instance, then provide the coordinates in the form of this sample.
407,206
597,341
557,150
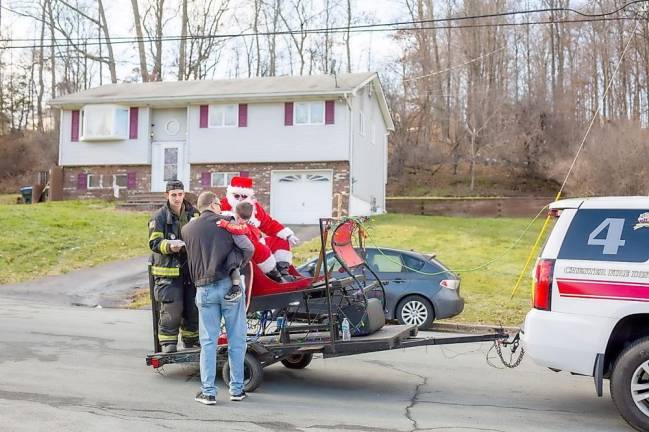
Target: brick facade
261,175
140,183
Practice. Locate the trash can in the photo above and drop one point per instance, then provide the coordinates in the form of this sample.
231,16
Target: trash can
26,193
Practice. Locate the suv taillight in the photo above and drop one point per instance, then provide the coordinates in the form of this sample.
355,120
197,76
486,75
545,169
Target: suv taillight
543,284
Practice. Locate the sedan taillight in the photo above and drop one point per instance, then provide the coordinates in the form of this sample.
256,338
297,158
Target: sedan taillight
451,284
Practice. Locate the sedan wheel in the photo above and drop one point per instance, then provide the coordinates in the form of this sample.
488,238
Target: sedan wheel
415,310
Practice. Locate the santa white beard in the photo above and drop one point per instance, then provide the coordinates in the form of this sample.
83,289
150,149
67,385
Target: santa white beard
233,203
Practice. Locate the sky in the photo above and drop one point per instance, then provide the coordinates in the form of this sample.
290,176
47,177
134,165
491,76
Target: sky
370,51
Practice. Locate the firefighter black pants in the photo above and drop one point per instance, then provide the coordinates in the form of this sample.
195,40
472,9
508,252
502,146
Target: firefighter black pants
176,299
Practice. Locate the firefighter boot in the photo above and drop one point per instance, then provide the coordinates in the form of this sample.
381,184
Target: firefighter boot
169,348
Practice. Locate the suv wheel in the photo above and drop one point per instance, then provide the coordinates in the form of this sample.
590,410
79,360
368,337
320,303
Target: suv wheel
630,384
416,310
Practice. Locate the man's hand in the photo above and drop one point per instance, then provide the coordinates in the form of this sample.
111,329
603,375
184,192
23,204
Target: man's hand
176,245
293,240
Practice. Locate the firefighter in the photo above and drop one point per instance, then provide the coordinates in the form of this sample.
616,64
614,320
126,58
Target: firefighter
173,289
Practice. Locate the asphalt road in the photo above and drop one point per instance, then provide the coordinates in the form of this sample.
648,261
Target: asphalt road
66,368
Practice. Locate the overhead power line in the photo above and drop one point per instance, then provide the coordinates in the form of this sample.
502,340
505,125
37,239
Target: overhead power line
397,26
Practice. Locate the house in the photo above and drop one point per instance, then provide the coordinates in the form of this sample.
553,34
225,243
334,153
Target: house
315,146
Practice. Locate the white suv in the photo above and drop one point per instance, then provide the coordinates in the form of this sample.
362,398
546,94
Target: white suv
591,294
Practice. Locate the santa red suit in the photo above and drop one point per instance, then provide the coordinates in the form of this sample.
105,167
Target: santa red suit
278,238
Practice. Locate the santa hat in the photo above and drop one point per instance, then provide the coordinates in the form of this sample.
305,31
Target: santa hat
241,185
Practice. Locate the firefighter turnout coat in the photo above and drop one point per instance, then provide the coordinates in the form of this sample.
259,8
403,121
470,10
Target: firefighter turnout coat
164,226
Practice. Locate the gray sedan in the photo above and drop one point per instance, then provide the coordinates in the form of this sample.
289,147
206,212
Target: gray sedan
419,288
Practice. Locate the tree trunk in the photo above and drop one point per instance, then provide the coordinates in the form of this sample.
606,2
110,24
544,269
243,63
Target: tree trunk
109,46
144,70
183,42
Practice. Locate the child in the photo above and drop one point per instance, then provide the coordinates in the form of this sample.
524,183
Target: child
262,257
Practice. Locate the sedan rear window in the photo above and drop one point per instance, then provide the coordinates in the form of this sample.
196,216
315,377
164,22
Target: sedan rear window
385,262
607,235
412,264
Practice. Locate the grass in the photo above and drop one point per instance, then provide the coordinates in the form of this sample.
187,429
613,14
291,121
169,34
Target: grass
57,237
464,244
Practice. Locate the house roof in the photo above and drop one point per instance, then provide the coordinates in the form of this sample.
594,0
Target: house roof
266,89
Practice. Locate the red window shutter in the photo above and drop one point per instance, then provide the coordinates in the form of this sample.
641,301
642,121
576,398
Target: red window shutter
288,114
206,179
204,111
131,179
243,115
330,107
132,127
82,180
74,130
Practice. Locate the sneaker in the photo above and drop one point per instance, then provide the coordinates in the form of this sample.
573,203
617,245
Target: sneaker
205,399
169,348
234,294
238,397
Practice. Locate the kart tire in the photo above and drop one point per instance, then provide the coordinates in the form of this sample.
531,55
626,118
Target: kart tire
297,361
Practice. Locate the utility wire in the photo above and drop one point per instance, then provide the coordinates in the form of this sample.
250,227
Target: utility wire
362,28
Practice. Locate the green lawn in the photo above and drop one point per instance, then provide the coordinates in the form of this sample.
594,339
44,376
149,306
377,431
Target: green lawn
57,237
464,244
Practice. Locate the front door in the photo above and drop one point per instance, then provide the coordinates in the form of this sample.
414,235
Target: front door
169,134
168,164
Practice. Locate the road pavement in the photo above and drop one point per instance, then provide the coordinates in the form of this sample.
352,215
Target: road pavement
83,369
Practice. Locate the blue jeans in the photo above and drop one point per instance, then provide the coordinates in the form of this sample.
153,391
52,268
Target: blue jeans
211,308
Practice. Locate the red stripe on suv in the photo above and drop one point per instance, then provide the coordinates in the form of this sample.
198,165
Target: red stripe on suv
603,289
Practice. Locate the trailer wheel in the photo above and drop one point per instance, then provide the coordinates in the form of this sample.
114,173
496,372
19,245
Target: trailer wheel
253,373
297,361
630,384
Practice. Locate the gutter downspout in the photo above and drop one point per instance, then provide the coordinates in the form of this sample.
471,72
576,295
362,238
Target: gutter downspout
351,138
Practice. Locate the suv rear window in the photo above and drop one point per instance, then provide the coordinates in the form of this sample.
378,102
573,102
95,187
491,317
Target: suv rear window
607,235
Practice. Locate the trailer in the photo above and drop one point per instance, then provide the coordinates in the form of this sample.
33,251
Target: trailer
291,322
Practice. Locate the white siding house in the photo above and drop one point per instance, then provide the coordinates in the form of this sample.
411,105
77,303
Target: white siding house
316,146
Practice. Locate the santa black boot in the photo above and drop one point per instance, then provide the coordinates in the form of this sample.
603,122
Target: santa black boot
275,275
282,267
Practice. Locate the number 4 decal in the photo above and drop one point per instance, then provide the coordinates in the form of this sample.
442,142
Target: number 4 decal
613,239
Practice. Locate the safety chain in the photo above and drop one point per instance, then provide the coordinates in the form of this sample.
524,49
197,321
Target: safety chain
498,344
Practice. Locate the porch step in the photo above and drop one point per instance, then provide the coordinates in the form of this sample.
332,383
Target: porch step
142,201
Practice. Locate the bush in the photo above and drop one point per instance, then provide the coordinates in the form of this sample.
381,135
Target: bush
24,154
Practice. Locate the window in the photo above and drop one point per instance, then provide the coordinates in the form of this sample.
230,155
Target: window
411,263
361,123
309,113
94,181
222,179
120,180
104,122
384,261
223,115
607,235
171,163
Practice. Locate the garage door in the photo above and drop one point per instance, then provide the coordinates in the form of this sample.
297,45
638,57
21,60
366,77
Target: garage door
300,197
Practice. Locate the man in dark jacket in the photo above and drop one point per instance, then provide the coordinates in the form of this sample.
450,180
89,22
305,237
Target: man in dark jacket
210,251
173,288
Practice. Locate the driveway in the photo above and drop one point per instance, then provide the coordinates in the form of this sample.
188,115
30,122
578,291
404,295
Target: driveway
82,369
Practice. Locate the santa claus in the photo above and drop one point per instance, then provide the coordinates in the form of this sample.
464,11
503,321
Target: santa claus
278,238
